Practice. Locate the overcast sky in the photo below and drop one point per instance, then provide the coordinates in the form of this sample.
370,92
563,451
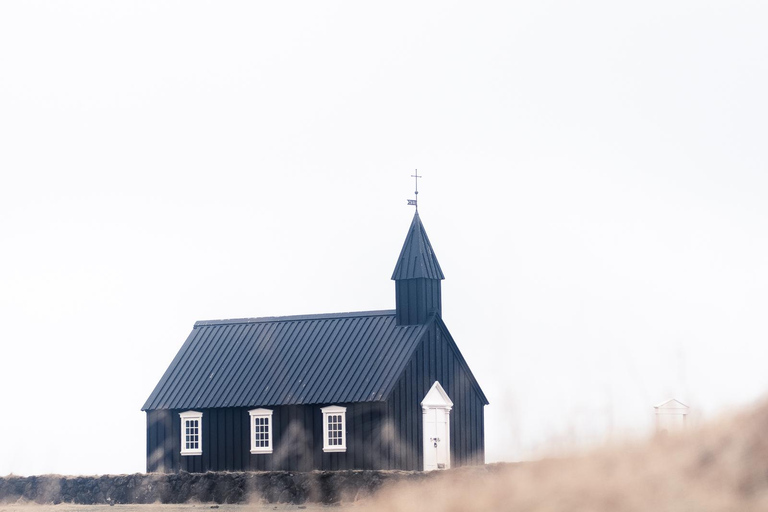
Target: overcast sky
594,184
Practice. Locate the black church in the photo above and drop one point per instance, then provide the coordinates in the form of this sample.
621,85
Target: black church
368,390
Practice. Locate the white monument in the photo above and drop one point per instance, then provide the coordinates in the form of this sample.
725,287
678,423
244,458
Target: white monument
670,415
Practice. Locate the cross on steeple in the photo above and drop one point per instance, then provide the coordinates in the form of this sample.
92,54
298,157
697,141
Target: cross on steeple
415,201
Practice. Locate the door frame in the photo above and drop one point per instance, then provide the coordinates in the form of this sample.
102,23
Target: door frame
436,398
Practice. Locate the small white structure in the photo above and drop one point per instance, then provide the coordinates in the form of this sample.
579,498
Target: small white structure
670,415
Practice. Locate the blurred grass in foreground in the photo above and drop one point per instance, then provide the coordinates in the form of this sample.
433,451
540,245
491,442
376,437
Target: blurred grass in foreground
721,466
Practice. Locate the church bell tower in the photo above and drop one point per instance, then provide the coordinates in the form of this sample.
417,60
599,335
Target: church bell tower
417,278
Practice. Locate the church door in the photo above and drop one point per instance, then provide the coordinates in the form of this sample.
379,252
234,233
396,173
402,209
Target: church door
436,407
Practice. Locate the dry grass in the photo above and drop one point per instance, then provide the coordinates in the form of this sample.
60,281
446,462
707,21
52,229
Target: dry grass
719,467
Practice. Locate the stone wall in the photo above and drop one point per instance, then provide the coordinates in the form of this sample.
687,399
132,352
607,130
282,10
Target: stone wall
219,487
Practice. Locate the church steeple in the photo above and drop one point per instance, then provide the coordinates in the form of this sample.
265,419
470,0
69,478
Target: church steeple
417,278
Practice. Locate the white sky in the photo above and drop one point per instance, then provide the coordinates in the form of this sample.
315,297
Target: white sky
594,188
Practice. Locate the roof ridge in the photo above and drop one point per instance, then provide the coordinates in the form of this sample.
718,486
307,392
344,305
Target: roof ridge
291,318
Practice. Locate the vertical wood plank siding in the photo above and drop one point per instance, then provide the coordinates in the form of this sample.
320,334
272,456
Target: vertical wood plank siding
297,440
416,299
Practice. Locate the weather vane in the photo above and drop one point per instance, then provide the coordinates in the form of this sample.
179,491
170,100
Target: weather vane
415,201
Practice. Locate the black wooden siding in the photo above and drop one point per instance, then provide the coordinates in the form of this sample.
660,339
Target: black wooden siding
437,359
297,440
380,435
417,300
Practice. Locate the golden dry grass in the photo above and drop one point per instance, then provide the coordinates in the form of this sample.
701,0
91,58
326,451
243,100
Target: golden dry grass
719,467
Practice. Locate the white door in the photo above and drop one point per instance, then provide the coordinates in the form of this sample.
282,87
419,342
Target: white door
436,439
436,407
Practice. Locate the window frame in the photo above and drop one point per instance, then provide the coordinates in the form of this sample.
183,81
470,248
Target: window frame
191,416
334,410
261,413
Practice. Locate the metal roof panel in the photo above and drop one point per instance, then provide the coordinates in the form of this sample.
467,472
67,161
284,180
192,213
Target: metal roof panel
334,358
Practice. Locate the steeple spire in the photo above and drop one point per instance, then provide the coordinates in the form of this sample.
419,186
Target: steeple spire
417,277
417,258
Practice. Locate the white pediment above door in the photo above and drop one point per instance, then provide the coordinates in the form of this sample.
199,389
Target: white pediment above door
437,398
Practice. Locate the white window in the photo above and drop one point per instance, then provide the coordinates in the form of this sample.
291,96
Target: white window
261,430
191,433
334,429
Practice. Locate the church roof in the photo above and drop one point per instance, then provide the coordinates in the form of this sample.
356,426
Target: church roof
313,359
417,259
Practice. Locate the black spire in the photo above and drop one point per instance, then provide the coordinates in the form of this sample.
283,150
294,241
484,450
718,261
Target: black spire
417,277
417,259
